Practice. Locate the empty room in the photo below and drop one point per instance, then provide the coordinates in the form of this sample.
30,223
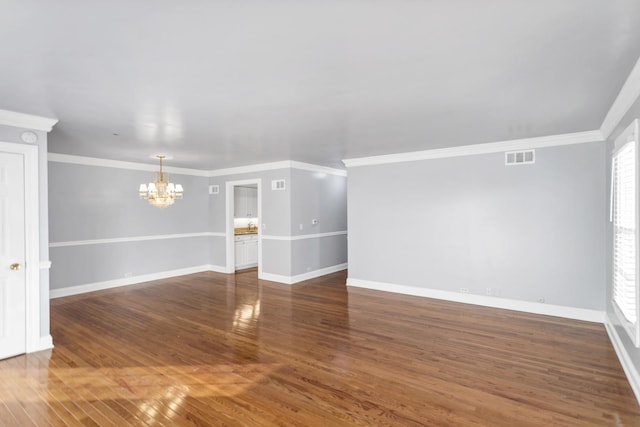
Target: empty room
319,213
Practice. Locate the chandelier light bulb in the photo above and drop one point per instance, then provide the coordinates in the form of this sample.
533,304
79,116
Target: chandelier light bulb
161,193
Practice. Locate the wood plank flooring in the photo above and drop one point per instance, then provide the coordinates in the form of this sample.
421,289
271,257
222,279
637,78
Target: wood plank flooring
225,350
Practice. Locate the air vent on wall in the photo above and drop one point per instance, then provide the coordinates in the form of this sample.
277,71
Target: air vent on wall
519,157
277,184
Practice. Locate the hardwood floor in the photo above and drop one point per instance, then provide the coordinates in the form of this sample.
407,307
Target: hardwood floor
214,349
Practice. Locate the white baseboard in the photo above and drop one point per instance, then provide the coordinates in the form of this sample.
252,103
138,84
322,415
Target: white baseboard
290,280
46,343
98,286
219,269
275,278
43,343
244,267
625,360
487,301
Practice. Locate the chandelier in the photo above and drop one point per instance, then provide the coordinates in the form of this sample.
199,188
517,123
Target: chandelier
161,193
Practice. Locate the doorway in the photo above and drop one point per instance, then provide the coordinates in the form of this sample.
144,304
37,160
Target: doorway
244,226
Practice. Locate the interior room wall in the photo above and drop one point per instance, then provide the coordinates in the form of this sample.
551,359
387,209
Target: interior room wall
287,250
275,220
103,235
13,134
628,352
322,197
533,233
93,205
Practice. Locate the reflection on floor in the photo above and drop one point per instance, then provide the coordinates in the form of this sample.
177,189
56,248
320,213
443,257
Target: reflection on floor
216,349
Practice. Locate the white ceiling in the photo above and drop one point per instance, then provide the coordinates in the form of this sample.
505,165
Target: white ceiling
219,84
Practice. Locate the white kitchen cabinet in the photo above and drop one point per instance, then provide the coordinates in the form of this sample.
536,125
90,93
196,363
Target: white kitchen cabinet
251,252
245,202
246,250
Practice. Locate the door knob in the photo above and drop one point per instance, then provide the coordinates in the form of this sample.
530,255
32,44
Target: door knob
14,266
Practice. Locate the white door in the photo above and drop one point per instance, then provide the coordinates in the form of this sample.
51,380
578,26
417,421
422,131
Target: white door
12,256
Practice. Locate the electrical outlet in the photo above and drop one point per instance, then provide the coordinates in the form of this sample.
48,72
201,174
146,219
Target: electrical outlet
128,274
301,227
488,291
464,290
541,299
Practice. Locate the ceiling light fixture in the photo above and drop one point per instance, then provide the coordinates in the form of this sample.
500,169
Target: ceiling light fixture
161,193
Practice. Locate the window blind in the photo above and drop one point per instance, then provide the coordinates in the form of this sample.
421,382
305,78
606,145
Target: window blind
625,285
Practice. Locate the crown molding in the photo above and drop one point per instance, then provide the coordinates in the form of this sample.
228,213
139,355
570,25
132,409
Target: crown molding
107,163
28,121
118,164
316,168
491,147
250,168
626,98
286,164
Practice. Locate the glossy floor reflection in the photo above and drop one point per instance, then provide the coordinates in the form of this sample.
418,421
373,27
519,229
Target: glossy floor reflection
214,349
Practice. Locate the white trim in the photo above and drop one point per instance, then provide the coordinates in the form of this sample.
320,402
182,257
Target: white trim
286,164
626,98
98,286
487,301
32,240
316,168
245,266
46,343
251,168
219,269
625,360
107,163
146,167
304,236
135,239
27,121
229,216
290,280
486,148
116,283
45,265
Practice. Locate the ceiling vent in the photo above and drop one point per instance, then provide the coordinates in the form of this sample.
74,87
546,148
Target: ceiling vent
523,157
277,184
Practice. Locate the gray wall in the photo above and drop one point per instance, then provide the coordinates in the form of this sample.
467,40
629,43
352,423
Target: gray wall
314,254
12,134
276,205
529,231
631,350
308,195
319,196
275,221
91,202
323,197
88,264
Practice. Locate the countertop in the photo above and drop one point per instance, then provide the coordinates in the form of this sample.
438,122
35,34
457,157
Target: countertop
243,231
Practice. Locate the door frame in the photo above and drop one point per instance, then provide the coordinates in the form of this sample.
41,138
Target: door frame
230,199
32,240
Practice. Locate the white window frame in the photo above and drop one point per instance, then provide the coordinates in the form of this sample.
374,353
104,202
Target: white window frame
629,136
